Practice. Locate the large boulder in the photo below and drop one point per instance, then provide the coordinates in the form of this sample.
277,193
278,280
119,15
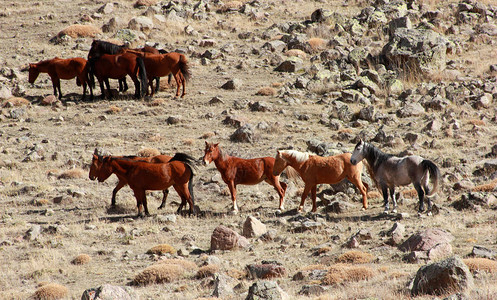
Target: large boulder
107,291
417,50
252,227
266,290
431,244
265,271
224,238
449,275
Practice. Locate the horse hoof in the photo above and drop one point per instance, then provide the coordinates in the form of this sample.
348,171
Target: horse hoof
385,212
363,209
394,211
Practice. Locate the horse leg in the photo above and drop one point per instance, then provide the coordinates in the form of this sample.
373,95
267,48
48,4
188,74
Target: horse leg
140,199
157,84
107,84
232,187
278,186
164,197
421,195
306,191
178,83
394,201
185,194
119,186
313,195
384,191
356,180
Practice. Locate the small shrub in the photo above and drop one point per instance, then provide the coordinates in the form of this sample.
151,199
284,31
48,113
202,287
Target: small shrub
78,30
161,249
15,101
185,264
81,259
296,52
488,187
50,291
355,257
72,174
148,152
480,264
266,91
140,3
207,271
313,267
316,43
208,135
231,6
113,110
237,274
159,273
341,273
323,250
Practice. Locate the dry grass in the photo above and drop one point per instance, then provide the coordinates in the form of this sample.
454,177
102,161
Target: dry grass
488,187
161,249
231,6
75,173
208,135
296,52
237,274
145,3
323,250
148,152
476,122
112,110
15,101
188,142
341,273
78,30
313,267
159,273
50,291
317,44
479,264
183,263
81,259
355,257
207,271
266,91
156,102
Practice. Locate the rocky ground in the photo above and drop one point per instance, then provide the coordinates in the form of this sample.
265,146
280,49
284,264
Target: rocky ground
415,78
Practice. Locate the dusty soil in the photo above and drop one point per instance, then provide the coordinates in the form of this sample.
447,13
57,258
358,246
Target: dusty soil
65,136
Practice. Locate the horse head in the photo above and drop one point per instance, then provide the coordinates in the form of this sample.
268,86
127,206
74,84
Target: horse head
358,153
96,164
211,152
105,169
280,163
33,73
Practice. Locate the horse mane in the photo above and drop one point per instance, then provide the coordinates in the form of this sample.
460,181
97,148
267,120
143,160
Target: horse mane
297,155
375,157
223,155
292,174
109,47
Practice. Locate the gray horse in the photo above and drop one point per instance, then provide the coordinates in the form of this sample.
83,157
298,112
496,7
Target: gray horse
389,171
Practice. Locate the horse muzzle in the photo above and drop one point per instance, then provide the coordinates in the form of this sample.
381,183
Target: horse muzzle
353,161
92,177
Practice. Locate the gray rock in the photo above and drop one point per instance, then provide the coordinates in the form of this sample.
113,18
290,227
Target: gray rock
267,290
5,93
265,271
312,290
223,286
402,22
396,234
480,251
411,110
33,233
449,275
252,227
107,292
224,238
275,46
244,134
260,106
292,64
475,201
141,23
368,113
235,121
427,239
339,207
107,8
232,84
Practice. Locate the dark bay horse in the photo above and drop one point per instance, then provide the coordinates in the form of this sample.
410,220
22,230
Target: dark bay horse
142,176
235,170
96,164
99,47
314,170
389,171
117,66
58,68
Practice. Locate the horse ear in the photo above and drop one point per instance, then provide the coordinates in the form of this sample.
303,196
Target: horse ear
278,152
215,145
206,143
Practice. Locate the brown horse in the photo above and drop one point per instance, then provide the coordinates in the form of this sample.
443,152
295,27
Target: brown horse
142,176
96,164
236,170
58,68
117,66
314,169
160,65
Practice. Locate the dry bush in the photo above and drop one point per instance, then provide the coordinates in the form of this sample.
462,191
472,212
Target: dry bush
323,250
277,84
317,44
488,187
159,273
161,249
476,122
81,259
296,52
237,274
188,142
208,135
113,110
148,152
355,257
156,102
78,30
341,273
231,6
183,263
411,193
266,91
15,101
72,174
50,291
313,267
479,264
207,271
374,194
145,3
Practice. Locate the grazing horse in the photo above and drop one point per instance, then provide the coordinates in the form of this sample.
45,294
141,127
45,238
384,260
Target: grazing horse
159,65
99,47
58,68
96,164
236,170
314,169
389,171
117,66
142,176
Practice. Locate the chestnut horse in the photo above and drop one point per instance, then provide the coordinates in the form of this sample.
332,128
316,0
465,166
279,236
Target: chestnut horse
235,170
99,47
159,65
96,164
142,176
58,68
314,169
117,66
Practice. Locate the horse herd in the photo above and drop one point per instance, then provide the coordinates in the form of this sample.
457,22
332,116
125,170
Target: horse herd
110,61
161,172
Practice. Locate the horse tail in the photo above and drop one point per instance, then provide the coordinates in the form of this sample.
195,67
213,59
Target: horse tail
434,174
78,82
190,163
142,74
184,67
90,65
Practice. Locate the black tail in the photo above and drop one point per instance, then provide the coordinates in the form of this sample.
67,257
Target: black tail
91,72
434,174
184,67
142,74
190,163
78,82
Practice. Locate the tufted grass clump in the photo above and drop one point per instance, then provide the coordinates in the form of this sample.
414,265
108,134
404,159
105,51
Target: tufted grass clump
74,173
355,257
78,30
162,249
81,259
266,91
50,291
164,271
207,271
15,101
148,152
341,273
480,264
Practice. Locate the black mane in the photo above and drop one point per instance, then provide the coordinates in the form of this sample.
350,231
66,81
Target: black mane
375,156
99,47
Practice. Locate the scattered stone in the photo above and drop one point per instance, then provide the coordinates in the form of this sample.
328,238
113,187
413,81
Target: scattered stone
252,227
33,233
434,242
141,23
265,271
475,201
292,64
260,106
222,286
312,290
396,234
108,291
224,238
244,134
232,84
267,290
480,251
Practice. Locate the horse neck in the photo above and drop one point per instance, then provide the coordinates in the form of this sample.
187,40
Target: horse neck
372,154
292,162
43,66
221,160
120,167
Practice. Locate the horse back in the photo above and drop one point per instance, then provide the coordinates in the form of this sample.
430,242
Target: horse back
248,171
330,169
